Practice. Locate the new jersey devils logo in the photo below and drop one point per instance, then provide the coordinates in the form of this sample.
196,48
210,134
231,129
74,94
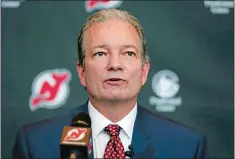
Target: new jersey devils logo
75,134
91,5
50,89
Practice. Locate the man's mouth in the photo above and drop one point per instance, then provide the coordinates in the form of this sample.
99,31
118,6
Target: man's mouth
115,81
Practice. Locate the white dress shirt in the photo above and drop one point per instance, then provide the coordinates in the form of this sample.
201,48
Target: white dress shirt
101,138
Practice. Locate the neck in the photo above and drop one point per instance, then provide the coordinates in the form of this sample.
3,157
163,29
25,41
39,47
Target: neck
114,110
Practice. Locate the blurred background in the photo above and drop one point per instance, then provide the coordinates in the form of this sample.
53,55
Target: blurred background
190,44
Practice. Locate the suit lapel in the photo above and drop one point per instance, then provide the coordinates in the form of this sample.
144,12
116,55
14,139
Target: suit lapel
141,137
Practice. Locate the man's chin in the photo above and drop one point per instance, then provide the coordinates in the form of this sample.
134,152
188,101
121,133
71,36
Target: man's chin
115,98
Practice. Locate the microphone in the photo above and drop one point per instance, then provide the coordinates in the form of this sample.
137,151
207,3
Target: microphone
76,139
131,152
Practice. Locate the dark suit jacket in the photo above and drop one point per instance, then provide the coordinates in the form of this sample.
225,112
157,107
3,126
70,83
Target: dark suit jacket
153,137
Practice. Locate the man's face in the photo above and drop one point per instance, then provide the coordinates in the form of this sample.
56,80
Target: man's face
113,64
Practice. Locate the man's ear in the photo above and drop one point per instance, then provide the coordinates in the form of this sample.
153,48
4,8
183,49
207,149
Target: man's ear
81,74
145,71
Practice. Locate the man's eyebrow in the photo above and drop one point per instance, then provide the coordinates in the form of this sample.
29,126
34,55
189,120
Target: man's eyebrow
100,46
130,46
106,46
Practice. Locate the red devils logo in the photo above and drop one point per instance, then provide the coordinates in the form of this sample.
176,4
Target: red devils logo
91,5
75,134
50,89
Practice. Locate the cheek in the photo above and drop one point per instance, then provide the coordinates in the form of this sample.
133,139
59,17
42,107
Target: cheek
93,73
136,74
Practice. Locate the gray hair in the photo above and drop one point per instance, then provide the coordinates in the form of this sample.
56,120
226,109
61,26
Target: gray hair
107,14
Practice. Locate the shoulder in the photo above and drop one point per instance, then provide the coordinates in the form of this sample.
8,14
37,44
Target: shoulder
46,133
166,134
52,124
167,126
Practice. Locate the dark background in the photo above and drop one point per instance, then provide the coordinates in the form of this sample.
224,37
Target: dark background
183,36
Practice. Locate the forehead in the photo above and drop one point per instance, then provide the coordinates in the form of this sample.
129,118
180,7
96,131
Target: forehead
114,32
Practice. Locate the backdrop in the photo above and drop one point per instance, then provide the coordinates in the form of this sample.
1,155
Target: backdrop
190,44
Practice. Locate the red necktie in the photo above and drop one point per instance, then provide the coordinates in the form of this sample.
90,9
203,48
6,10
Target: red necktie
114,148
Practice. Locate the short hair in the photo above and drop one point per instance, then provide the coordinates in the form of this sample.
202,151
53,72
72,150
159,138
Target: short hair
107,14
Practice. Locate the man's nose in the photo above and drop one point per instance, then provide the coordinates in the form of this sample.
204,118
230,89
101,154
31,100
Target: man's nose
115,62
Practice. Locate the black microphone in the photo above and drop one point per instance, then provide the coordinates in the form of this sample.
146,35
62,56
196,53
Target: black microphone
76,139
131,152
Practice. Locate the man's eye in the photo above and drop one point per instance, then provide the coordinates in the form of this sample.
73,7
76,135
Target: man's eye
99,54
130,53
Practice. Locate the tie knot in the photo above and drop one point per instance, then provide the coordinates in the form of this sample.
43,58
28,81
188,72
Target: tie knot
113,129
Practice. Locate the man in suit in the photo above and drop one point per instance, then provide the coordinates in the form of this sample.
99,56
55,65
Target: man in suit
113,65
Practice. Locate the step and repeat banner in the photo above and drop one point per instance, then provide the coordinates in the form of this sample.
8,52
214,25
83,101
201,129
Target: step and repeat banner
190,44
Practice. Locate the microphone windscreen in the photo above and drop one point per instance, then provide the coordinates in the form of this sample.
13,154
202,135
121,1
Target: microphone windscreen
81,120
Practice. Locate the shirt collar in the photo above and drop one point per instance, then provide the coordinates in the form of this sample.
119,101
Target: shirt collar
99,122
